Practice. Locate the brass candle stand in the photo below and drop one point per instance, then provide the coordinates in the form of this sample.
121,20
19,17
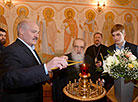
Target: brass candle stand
84,89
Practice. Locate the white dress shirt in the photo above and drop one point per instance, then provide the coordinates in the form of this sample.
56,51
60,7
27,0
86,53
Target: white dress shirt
31,48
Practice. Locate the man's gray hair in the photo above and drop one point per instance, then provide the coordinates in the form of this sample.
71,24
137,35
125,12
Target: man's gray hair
81,40
22,24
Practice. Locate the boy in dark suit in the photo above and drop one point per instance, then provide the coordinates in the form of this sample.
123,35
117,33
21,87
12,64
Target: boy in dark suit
118,34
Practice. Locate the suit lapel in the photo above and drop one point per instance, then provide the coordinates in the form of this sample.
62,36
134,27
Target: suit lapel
38,57
27,50
126,44
114,47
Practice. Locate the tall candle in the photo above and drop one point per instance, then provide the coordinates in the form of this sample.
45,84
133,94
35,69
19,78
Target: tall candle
84,69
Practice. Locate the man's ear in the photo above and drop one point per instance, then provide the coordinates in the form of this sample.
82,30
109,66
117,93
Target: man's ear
21,30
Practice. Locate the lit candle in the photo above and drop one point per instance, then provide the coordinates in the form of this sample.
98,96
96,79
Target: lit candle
84,69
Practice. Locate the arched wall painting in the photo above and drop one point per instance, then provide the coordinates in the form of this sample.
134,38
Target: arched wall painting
61,22
3,23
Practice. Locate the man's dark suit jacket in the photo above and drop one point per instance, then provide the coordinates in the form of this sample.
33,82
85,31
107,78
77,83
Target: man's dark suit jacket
131,46
22,76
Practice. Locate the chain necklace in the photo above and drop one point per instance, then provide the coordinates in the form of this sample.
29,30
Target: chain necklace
96,55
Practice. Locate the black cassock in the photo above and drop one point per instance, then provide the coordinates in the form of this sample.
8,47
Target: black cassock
61,79
95,53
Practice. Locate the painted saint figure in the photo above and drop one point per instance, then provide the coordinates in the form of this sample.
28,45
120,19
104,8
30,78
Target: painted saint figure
22,13
106,30
89,27
49,33
129,28
70,29
3,24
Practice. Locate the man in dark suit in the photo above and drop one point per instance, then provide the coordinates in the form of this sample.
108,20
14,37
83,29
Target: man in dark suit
70,73
118,34
23,71
2,39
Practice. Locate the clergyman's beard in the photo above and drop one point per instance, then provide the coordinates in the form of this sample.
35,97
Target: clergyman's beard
77,57
97,42
2,42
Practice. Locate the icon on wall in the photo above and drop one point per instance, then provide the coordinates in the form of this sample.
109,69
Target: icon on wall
22,13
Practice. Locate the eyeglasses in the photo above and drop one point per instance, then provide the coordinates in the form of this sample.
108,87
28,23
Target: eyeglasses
81,47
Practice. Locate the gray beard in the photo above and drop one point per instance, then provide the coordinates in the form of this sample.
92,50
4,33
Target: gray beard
77,57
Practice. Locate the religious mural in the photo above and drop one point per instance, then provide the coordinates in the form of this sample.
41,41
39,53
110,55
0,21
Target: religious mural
123,2
89,27
48,33
106,30
3,24
62,21
129,27
22,13
70,29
